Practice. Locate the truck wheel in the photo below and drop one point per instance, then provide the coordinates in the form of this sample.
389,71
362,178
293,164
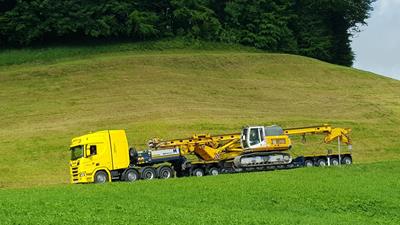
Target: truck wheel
213,171
321,162
148,173
334,161
131,175
164,172
199,172
100,177
347,160
309,163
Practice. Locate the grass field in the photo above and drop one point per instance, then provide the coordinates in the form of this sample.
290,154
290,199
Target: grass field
174,90
360,194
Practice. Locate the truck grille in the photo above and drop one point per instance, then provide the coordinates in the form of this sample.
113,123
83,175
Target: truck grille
74,173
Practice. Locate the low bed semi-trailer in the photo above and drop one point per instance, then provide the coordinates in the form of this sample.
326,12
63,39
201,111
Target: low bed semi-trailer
105,156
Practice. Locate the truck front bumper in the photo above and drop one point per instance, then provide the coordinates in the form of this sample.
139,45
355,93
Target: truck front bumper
81,178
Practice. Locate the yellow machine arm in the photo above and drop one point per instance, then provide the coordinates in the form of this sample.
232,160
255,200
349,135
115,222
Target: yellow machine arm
206,146
195,139
331,133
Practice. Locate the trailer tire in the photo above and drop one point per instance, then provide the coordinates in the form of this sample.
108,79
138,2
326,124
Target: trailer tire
100,177
347,160
131,175
321,162
213,171
308,163
334,161
198,172
165,172
148,173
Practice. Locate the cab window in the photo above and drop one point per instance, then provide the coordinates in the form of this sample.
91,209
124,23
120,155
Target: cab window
93,150
254,136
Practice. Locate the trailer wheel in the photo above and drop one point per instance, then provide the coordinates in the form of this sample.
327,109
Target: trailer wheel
213,171
321,162
309,163
100,177
164,172
347,160
148,173
198,172
131,175
334,161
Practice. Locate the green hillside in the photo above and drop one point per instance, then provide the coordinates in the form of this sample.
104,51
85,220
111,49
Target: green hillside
49,96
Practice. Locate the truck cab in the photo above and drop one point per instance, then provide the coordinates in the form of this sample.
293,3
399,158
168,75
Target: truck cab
100,152
105,156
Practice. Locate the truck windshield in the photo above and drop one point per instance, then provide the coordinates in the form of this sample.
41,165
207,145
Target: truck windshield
76,152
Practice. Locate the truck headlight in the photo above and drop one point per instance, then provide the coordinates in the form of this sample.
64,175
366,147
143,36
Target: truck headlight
82,174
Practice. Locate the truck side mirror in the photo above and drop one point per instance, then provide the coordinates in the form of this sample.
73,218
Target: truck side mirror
87,152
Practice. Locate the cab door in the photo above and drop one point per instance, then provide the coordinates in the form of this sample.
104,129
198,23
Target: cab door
97,154
256,137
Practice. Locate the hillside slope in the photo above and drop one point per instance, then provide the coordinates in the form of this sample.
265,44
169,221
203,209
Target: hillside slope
176,93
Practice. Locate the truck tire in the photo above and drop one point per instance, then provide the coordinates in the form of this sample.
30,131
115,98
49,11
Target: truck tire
131,175
148,173
334,161
347,160
213,171
308,163
100,177
321,162
165,172
198,172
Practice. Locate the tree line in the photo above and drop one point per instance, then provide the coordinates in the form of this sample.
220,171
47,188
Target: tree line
316,28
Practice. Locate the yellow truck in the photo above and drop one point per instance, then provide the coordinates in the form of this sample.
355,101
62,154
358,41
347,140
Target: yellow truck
104,156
